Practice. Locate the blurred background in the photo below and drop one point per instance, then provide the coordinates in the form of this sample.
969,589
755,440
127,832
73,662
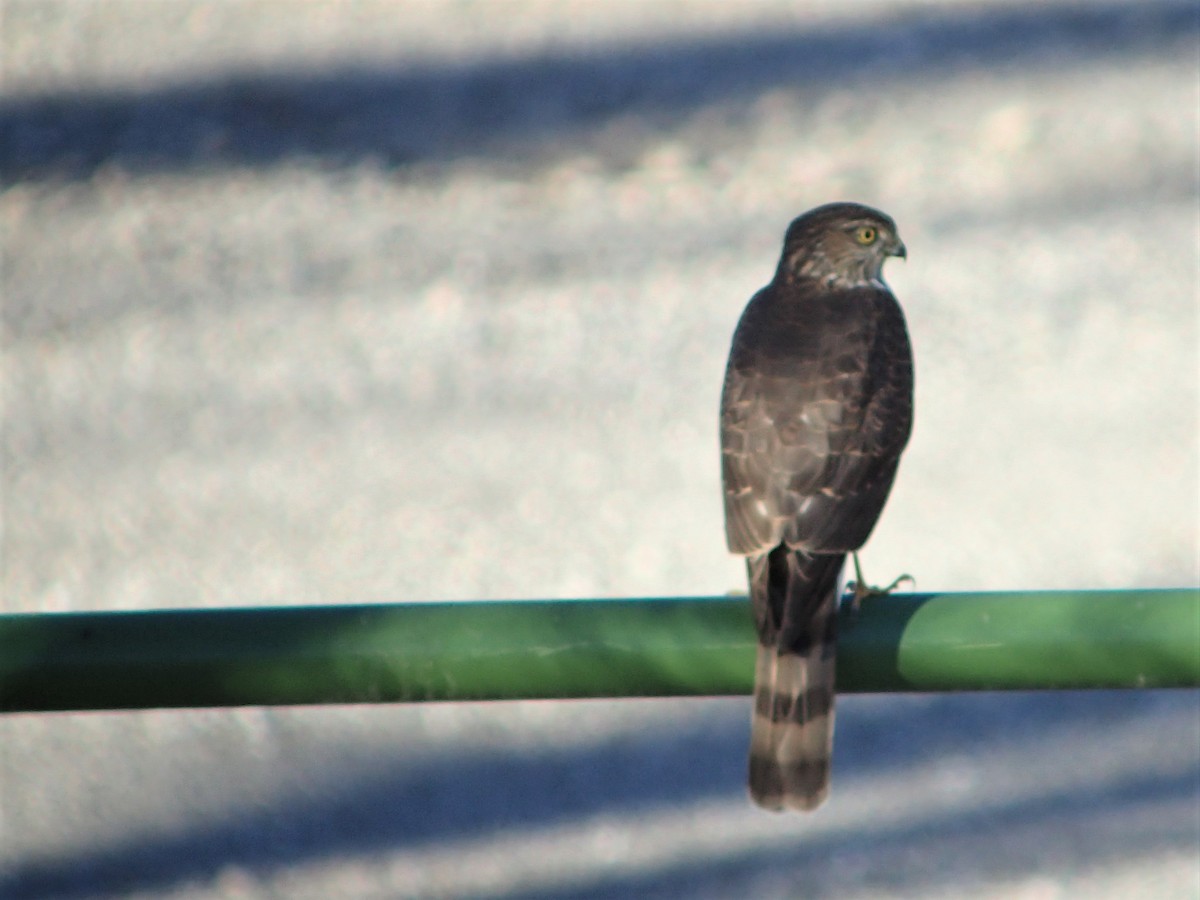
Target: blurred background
372,302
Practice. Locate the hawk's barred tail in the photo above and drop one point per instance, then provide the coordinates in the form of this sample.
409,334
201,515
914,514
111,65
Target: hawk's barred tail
791,742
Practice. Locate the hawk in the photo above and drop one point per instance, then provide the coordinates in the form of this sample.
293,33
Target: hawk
815,411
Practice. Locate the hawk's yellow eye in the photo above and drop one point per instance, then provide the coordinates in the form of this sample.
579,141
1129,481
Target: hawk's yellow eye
865,235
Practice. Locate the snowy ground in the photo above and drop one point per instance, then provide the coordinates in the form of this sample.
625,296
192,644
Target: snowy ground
318,303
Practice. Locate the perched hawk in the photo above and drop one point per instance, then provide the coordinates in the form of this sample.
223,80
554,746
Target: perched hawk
816,408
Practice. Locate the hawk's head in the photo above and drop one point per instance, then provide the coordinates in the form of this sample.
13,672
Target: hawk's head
842,244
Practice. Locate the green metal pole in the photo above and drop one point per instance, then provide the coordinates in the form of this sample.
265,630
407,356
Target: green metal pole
574,648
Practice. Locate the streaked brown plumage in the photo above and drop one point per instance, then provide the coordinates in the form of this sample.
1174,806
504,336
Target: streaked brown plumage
815,411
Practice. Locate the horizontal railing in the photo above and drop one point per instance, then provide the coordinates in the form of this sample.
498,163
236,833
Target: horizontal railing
582,648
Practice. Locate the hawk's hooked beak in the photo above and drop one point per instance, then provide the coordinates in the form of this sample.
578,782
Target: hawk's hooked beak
900,250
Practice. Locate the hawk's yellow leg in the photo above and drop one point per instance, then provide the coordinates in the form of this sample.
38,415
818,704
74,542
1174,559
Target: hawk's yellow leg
861,590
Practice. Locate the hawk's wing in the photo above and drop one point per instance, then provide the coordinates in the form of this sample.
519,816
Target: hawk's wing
815,411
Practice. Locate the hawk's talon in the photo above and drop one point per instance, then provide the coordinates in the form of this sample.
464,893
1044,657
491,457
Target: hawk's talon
852,590
861,591
900,579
